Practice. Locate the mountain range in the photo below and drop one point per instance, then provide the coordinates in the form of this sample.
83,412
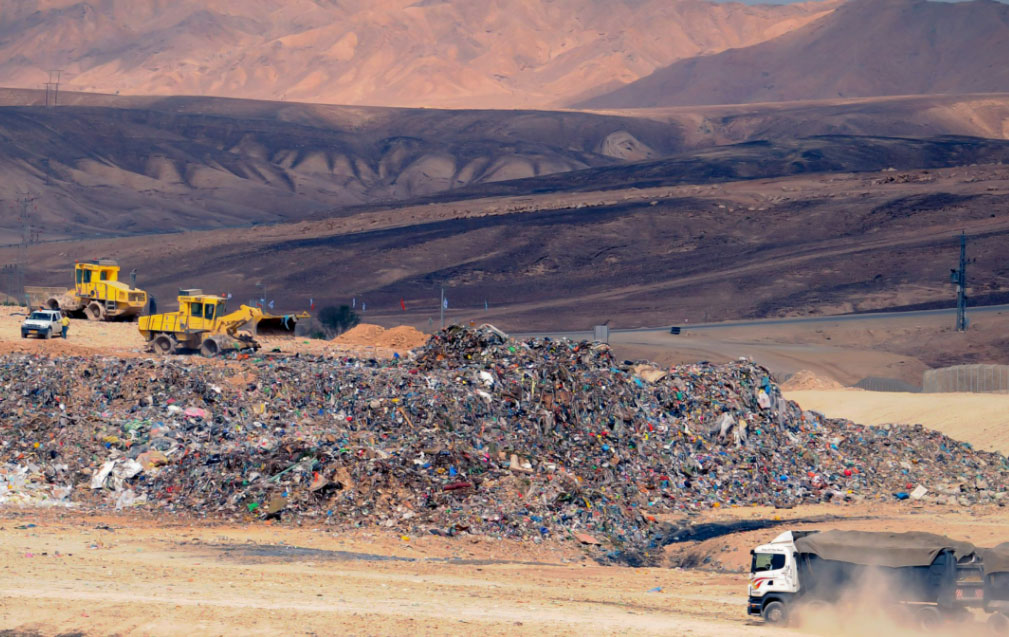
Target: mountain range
490,54
865,48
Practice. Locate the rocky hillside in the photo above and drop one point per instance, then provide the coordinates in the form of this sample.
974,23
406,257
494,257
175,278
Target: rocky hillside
495,53
864,48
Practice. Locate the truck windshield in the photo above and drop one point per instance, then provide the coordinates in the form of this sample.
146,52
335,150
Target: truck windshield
767,562
39,316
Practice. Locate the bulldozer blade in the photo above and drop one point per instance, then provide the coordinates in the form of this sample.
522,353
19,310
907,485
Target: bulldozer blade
274,325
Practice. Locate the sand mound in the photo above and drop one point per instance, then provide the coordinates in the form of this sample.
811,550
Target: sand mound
402,337
805,379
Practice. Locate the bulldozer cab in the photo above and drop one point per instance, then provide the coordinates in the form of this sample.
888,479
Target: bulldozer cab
91,272
201,311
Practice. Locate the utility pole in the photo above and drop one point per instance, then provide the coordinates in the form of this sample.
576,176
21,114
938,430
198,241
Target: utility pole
25,219
53,87
958,278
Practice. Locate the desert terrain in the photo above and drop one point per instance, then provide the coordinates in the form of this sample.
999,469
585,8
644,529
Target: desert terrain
863,48
651,252
507,54
69,573
786,184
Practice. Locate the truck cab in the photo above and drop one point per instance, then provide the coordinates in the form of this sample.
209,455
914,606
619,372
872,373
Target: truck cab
774,577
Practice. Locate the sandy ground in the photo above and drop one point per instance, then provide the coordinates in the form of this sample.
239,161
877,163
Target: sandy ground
845,351
104,574
90,338
980,419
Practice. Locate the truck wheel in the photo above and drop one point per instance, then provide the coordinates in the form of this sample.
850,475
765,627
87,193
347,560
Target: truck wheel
998,624
774,613
94,311
48,334
164,345
929,619
209,348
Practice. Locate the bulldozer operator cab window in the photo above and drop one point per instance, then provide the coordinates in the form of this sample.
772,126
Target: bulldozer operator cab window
103,276
767,562
208,311
196,310
84,275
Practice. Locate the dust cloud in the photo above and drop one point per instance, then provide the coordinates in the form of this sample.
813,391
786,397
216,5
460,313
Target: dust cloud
871,605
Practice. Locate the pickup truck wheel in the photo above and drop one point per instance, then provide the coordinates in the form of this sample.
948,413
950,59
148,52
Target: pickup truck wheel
164,345
48,334
998,624
774,613
209,348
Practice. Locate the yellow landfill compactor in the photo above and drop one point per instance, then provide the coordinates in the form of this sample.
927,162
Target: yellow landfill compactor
99,293
201,324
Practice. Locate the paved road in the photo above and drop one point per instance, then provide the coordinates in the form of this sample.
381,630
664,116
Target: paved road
580,334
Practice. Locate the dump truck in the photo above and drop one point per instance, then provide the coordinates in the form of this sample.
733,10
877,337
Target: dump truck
203,324
930,577
98,294
996,587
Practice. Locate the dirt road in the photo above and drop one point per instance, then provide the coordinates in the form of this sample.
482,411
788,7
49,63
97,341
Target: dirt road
102,574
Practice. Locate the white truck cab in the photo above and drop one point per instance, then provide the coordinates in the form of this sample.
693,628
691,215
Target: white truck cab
774,577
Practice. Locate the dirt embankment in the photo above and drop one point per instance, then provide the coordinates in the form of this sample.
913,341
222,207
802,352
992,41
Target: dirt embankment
400,338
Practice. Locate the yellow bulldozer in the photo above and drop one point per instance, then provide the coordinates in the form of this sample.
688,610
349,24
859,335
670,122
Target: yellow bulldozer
201,324
98,293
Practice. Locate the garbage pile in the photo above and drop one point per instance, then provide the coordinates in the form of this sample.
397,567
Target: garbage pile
476,432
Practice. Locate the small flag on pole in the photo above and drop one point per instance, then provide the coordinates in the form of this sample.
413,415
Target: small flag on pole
353,303
311,303
402,304
444,303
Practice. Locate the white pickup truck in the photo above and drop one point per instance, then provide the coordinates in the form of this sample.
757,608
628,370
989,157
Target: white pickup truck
42,323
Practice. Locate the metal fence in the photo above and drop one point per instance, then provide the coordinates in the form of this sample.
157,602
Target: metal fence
967,378
876,383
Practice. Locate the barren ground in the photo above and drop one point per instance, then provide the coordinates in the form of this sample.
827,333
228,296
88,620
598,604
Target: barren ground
132,575
87,338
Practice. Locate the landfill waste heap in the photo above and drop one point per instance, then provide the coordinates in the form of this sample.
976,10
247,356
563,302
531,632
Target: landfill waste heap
475,432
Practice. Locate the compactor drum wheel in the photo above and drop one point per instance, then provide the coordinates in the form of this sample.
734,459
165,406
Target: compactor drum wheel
929,619
164,345
774,613
95,311
209,348
998,624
